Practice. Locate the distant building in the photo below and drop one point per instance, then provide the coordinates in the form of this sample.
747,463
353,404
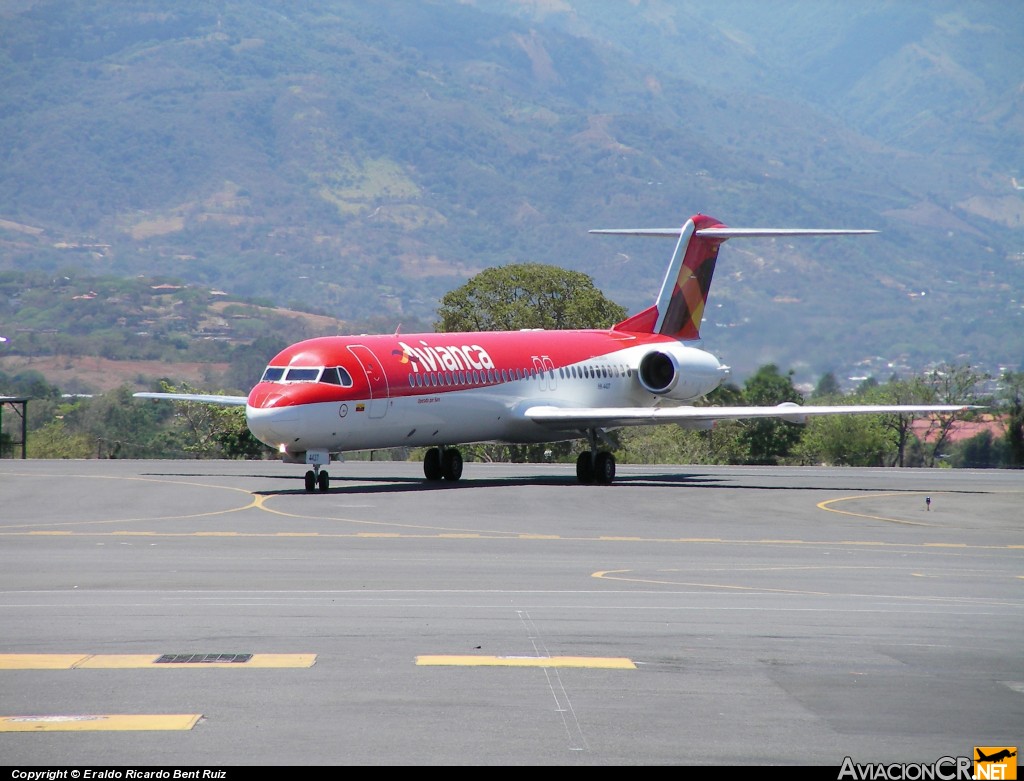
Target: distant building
926,429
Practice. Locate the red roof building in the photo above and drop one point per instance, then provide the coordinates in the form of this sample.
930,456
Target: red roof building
926,429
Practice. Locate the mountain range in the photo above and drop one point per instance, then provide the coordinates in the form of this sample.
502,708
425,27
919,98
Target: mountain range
360,159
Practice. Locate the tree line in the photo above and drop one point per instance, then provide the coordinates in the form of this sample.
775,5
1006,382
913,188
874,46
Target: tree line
116,425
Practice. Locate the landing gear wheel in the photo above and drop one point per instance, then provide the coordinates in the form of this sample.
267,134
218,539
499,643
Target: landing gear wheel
585,468
604,469
310,481
323,481
432,464
451,464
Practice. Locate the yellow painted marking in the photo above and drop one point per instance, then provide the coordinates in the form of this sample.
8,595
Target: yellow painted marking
279,660
599,662
125,661
40,661
256,501
606,572
614,575
866,542
825,506
99,722
617,575
500,535
135,661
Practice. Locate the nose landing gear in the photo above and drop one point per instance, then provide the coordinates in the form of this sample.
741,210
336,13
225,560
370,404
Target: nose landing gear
317,479
442,464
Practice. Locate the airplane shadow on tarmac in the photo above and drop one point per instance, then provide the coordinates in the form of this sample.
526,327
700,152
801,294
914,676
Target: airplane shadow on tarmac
390,484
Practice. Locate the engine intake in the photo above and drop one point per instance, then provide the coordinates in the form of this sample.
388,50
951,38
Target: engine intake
659,372
680,373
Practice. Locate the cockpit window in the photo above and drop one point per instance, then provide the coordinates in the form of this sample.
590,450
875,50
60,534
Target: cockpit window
302,375
332,375
336,375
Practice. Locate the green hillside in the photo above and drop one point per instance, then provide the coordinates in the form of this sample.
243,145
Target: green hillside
139,330
361,159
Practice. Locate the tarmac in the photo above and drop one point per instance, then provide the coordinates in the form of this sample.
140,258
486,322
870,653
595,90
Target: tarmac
214,614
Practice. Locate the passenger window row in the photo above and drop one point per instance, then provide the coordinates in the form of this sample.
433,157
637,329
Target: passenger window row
466,378
594,372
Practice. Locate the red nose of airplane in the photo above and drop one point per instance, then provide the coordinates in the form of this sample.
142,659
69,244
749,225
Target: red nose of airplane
272,414
268,396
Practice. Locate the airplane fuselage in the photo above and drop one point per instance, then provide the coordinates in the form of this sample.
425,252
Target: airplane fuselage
436,389
325,396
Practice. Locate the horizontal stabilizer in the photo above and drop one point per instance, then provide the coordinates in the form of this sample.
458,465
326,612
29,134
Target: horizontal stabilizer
734,233
679,308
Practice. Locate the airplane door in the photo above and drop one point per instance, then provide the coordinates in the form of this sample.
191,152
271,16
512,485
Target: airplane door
549,365
375,378
545,371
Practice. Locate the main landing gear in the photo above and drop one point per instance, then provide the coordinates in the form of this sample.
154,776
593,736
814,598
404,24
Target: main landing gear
593,466
442,464
317,479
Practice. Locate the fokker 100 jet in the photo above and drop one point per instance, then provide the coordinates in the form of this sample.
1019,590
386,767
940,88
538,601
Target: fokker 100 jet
324,396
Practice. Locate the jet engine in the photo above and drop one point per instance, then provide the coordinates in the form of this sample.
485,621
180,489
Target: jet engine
681,373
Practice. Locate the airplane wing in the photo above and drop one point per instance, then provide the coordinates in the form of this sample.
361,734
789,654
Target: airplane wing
614,417
229,401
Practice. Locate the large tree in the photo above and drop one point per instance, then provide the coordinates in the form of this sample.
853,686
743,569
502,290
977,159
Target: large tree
198,429
1013,392
913,390
527,295
767,440
846,440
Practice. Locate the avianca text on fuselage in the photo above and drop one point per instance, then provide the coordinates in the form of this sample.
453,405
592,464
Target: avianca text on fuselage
450,357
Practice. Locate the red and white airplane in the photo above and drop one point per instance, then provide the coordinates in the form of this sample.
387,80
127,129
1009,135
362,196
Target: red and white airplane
321,397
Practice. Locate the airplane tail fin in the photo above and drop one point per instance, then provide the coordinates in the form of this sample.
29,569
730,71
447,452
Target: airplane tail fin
679,308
